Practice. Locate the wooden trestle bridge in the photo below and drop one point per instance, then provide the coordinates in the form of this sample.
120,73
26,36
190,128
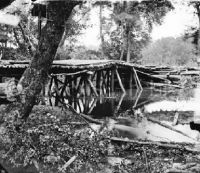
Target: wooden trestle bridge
79,78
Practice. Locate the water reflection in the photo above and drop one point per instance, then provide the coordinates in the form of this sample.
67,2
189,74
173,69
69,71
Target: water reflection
162,108
112,104
162,128
150,104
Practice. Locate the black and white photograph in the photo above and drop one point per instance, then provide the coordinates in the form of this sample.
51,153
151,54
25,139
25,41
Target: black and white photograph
99,86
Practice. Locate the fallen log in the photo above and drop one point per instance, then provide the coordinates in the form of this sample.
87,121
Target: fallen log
171,145
190,73
91,120
164,85
169,77
178,171
170,128
150,78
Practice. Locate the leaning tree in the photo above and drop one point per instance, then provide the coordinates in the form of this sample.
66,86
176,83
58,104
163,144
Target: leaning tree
32,81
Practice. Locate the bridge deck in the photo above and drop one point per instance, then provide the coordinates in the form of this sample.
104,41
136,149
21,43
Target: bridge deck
16,68
82,78
72,63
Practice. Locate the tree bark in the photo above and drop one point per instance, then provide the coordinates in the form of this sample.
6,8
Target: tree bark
128,58
124,43
198,14
196,5
101,29
35,76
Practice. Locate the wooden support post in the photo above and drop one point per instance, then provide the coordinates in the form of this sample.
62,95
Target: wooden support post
75,104
131,80
49,91
92,87
86,105
86,86
108,82
119,80
93,76
79,106
112,80
78,90
98,79
74,89
57,91
138,94
139,86
103,82
119,103
63,87
49,87
70,85
92,106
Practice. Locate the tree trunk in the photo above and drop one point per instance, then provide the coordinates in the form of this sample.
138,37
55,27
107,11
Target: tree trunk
101,29
196,6
198,44
124,43
128,58
35,76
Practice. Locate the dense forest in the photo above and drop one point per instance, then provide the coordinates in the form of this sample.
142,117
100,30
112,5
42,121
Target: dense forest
124,29
170,52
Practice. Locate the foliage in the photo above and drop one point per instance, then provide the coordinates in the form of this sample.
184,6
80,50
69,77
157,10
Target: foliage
81,52
169,51
23,37
14,54
49,139
134,23
75,27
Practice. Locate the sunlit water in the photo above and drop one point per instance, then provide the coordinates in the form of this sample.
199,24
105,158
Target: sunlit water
185,101
160,105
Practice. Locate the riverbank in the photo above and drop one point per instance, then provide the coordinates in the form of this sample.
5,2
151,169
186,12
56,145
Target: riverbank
52,137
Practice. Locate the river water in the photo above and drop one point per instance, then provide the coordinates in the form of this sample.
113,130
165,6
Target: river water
156,115
131,114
